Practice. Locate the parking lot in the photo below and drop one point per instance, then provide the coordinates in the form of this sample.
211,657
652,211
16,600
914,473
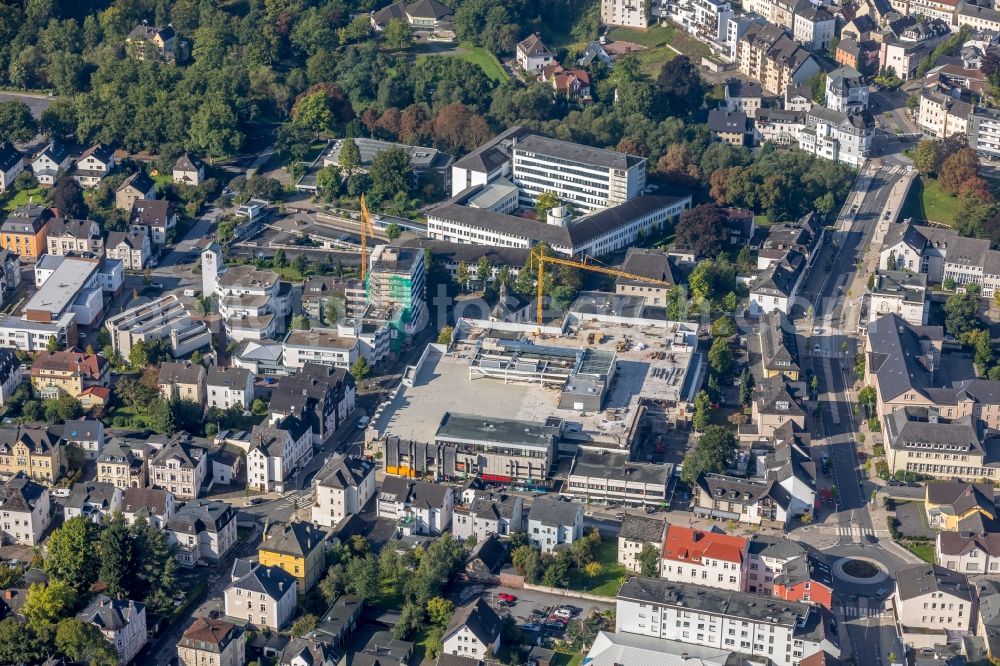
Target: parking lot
528,601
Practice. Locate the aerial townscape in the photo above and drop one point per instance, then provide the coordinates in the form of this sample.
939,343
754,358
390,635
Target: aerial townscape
471,332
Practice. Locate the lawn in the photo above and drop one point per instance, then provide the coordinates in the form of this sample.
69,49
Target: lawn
567,659
20,198
926,201
922,549
611,577
487,62
659,40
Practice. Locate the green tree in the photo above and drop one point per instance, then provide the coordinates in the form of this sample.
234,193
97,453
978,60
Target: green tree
398,34
302,263
702,411
72,554
720,357
393,231
440,610
444,335
120,558
925,156
723,327
462,274
361,577
213,129
331,313
545,202
303,626
47,603
329,182
391,174
160,417
350,155
746,386
314,112
333,583
53,344
279,260
138,356
984,352
360,369
16,643
483,270
84,643
712,453
17,125
960,313
649,561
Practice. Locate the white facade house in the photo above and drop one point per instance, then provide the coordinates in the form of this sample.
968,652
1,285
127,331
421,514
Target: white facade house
327,346
24,510
11,164
931,603
93,500
165,318
628,13
203,531
343,487
487,163
179,467
472,630
156,507
121,621
704,558
132,248
783,632
253,302
93,165
11,374
706,20
277,451
532,54
814,27
969,553
901,293
837,136
552,522
229,387
777,286
418,507
846,91
638,532
54,160
488,513
263,596
588,178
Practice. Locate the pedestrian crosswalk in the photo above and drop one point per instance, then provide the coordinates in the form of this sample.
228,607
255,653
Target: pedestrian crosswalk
855,532
297,499
863,611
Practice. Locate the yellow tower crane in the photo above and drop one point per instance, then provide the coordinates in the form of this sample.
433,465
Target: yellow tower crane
539,259
366,230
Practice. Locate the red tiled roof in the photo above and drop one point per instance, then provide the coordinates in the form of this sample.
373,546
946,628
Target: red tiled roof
102,392
690,545
88,365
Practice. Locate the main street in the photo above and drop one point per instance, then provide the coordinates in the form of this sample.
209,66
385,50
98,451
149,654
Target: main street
827,326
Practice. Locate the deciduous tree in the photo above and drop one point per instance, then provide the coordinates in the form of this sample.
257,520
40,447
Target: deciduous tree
72,553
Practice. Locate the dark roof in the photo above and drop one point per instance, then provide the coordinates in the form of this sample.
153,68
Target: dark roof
456,252
178,373
763,545
9,156
234,378
92,493
963,496
779,278
151,212
492,154
962,543
908,426
8,363
728,122
646,262
20,493
778,347
457,660
210,635
38,440
272,581
81,229
554,512
140,181
99,152
431,9
740,88
297,539
308,651
532,46
412,492
916,580
111,614
27,219
490,551
481,620
637,527
575,152
493,507
188,162
341,472
152,500
772,397
201,516
186,452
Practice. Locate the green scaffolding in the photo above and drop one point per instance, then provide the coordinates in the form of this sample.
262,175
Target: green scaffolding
396,297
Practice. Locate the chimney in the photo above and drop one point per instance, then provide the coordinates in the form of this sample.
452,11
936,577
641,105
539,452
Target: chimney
696,536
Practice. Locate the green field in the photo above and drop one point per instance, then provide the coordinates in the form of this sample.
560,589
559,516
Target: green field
924,550
612,574
487,62
926,201
35,194
659,40
567,658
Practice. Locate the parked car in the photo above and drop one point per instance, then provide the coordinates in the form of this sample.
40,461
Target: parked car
563,613
531,626
363,422
871,538
504,604
254,501
60,492
503,596
537,614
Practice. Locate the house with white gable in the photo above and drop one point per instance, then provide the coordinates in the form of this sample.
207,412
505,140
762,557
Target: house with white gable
11,164
553,522
229,387
49,164
533,56
94,165
121,621
472,630
277,450
24,510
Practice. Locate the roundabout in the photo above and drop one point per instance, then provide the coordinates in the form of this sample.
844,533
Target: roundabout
859,570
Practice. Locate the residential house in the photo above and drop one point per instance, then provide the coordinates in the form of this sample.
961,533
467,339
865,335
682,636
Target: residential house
901,293
74,237
298,548
941,114
941,254
260,358
568,83
154,218
931,603
777,285
10,272
24,232
638,532
730,127
93,165
472,630
277,450
846,91
745,96
773,406
485,559
487,514
798,630
209,642
838,136
744,500
533,56
180,467
137,186
229,387
320,395
121,621
343,487
948,503
11,374
153,505
971,552
814,27
11,164
149,40
119,465
778,126
988,616
861,55
779,354
806,579
418,507
768,557
67,373
38,452
189,170
54,160
792,470
628,13
424,16
770,55
704,558
649,263
309,652
553,522
132,248
183,381
24,511
94,500
203,530
263,596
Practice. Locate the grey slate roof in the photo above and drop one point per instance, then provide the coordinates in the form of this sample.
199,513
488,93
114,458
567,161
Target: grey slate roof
491,552
201,515
481,620
727,122
344,473
151,500
574,152
93,493
140,181
271,581
492,154
178,373
9,156
897,357
642,529
111,614
297,539
186,453
411,492
777,341
960,494
233,378
554,512
916,580
646,262
20,494
492,507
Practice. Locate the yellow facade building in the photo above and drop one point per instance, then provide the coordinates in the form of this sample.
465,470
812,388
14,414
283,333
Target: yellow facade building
297,548
38,452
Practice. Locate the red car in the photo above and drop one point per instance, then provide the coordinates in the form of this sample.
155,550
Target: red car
503,596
